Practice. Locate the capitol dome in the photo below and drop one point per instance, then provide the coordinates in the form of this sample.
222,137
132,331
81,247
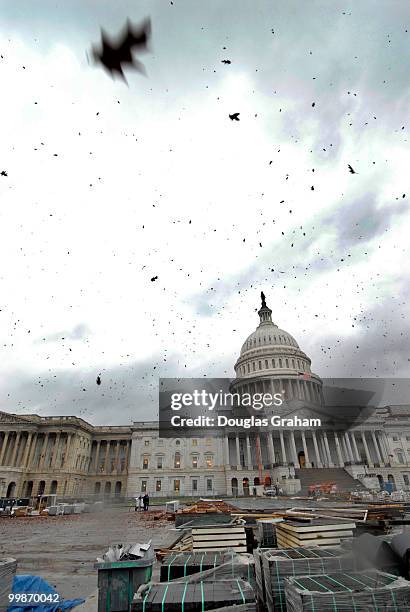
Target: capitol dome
271,358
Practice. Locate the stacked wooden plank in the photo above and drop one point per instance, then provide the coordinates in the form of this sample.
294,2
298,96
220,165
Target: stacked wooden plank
341,591
218,538
313,532
8,568
192,597
281,564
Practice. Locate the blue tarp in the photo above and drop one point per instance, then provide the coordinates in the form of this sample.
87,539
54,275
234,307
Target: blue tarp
35,584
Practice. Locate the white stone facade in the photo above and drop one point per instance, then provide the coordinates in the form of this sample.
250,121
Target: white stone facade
69,456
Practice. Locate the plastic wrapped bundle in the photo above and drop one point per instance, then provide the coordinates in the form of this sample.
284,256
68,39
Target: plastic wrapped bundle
373,552
234,565
281,564
248,607
8,568
267,532
183,564
345,591
192,597
259,578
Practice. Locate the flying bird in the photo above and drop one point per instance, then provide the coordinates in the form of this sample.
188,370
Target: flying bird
351,169
226,62
234,117
154,278
3,173
114,54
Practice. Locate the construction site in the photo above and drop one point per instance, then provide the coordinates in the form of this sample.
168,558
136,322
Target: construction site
322,551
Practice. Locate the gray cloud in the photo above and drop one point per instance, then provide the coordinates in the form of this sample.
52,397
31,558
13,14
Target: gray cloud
79,332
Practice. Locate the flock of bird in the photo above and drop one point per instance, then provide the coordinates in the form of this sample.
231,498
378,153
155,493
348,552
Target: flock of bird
116,55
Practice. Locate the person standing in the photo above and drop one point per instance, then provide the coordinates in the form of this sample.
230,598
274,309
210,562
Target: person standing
145,500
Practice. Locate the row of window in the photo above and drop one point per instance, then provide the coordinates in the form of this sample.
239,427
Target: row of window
209,461
177,485
194,442
276,339
275,364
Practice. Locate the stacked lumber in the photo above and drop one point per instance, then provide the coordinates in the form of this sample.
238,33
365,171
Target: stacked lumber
220,537
8,568
281,564
360,591
359,515
208,506
315,532
177,596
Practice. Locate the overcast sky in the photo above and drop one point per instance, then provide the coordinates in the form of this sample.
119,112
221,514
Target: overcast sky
110,185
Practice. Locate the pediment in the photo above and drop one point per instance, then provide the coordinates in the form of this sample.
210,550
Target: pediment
14,419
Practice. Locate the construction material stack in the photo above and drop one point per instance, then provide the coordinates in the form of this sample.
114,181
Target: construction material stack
177,596
281,564
341,591
8,568
314,532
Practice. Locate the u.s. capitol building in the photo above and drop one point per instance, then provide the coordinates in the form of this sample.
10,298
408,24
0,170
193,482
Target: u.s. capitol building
68,456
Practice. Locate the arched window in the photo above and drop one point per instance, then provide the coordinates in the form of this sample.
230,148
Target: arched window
177,460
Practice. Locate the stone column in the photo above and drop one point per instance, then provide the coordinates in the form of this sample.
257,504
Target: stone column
282,446
379,458
271,450
356,450
330,462
305,450
117,455
4,446
107,454
238,453
15,449
55,450
97,456
32,452
366,449
293,447
67,451
339,451
43,452
248,453
318,461
127,454
27,449
227,458
383,447
349,448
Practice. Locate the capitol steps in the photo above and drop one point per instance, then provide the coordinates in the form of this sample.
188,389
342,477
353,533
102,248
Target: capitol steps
312,476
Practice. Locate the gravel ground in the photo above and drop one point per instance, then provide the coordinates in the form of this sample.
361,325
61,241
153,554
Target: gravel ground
63,549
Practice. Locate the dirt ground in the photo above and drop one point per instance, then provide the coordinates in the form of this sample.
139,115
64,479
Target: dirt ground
63,549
